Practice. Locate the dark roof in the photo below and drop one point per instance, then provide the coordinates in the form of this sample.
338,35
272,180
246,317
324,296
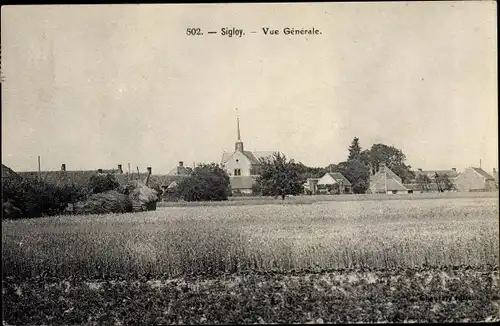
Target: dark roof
483,173
242,182
449,173
161,180
60,178
9,173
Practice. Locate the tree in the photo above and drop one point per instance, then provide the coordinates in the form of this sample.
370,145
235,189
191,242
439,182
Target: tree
424,181
28,198
206,182
358,174
340,167
394,159
443,182
100,183
354,150
279,177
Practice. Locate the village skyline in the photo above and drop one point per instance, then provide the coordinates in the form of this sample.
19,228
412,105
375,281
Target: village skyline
96,86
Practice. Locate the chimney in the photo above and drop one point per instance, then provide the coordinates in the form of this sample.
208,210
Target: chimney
63,167
454,169
181,163
120,170
149,169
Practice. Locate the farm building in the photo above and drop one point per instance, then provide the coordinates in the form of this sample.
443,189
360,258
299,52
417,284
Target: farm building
452,173
242,166
63,177
334,182
82,178
475,179
415,187
8,173
386,182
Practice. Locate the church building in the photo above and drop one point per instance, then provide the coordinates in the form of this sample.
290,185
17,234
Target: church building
242,166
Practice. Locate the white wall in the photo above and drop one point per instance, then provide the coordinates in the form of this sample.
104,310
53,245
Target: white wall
238,161
469,180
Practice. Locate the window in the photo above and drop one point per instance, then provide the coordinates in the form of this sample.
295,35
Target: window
237,172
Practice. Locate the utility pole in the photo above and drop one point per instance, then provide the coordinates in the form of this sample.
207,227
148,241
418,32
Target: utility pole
39,170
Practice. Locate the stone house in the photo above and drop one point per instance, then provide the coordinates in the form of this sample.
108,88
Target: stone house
475,179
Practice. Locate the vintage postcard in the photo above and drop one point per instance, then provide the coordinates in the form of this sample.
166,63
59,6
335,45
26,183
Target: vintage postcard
250,163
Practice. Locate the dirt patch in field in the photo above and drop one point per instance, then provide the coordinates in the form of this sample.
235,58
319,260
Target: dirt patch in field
328,297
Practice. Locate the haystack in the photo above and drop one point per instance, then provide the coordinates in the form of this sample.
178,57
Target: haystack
134,197
143,198
104,203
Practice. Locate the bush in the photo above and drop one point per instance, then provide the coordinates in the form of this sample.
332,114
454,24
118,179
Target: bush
34,198
207,182
100,183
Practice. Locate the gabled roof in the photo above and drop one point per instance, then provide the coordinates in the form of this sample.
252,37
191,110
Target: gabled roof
254,160
340,177
380,181
9,173
253,157
180,170
226,157
483,173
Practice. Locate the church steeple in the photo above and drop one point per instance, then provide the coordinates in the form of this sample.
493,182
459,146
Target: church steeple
238,146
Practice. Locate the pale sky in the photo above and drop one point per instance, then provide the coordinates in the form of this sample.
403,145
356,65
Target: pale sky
97,86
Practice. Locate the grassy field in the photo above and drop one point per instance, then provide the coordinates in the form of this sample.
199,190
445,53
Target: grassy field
305,199
362,236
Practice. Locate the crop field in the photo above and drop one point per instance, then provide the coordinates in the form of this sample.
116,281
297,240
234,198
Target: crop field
358,261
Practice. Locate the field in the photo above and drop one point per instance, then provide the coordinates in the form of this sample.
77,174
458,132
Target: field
330,261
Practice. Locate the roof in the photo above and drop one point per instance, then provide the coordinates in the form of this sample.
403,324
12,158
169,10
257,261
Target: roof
483,173
242,182
340,177
380,181
61,178
180,170
449,173
9,173
414,186
253,157
161,180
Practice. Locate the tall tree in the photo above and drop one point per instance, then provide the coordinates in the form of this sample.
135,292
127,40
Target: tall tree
358,174
354,150
394,159
279,177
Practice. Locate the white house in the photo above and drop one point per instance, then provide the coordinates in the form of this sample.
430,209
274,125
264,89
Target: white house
332,180
243,167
